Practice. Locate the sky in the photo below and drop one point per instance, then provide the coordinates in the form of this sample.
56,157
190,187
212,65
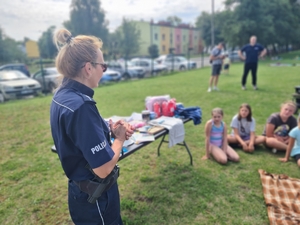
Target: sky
30,18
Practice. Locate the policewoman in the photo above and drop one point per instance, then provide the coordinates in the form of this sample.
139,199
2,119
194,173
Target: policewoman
81,136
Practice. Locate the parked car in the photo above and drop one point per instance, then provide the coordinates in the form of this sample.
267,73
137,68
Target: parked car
234,56
51,76
16,66
131,71
15,84
147,65
176,62
110,75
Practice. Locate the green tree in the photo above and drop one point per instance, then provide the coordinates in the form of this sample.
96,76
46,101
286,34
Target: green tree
273,22
129,38
249,17
87,17
10,50
113,46
286,22
203,22
174,20
46,45
153,51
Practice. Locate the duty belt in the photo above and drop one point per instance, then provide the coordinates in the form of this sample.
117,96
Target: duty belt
94,188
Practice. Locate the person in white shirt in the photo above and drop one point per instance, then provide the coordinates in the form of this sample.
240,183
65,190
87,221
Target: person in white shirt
243,130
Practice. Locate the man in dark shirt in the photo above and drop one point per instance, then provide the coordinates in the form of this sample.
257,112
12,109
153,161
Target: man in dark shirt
252,51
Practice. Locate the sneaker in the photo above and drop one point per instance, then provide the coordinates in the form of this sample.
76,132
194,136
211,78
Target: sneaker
274,150
254,88
243,88
216,89
209,89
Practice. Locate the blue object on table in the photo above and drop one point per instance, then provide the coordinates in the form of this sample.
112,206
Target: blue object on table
153,115
194,113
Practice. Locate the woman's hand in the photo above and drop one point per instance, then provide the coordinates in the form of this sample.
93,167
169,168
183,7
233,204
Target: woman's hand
129,128
119,130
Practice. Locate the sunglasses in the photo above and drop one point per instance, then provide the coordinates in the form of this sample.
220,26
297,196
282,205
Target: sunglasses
103,65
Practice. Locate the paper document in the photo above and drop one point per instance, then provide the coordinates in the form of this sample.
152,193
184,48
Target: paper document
142,137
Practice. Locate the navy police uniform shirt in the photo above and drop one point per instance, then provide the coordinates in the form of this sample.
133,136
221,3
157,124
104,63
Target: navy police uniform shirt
252,52
79,132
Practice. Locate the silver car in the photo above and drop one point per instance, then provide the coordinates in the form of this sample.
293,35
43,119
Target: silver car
127,73
15,84
50,80
149,66
176,62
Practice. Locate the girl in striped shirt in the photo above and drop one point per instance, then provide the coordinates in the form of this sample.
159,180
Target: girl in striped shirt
216,139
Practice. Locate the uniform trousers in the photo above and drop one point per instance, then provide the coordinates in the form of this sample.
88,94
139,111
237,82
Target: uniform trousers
247,68
105,211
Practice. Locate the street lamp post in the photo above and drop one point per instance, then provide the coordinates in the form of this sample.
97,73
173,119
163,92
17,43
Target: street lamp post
151,43
172,55
212,23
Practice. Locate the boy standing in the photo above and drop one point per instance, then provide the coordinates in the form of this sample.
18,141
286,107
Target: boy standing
216,58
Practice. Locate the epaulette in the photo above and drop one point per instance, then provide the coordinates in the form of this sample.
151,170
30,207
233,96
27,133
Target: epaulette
86,98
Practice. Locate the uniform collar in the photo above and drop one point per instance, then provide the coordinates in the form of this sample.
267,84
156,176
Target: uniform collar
73,84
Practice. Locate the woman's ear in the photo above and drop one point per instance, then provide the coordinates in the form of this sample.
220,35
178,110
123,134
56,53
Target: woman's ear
88,70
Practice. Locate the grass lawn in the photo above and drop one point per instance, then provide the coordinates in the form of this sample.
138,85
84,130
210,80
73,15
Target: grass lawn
154,190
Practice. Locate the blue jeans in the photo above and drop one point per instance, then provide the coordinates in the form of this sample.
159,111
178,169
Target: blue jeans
106,210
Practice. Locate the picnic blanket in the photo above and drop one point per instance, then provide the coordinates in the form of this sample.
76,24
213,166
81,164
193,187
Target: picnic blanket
282,197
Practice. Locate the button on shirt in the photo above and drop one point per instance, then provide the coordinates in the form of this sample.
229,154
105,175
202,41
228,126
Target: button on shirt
252,52
79,132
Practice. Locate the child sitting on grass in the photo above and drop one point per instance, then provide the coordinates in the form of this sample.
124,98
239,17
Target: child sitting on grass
278,127
243,130
293,148
216,139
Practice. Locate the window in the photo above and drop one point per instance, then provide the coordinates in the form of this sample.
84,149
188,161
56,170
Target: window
155,36
38,74
164,48
163,37
178,38
183,37
144,64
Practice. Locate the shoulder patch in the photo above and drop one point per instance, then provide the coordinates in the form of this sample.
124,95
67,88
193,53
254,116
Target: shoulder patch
86,98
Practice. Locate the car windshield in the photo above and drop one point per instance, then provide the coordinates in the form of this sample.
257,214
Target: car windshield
149,61
181,58
52,71
12,75
129,64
